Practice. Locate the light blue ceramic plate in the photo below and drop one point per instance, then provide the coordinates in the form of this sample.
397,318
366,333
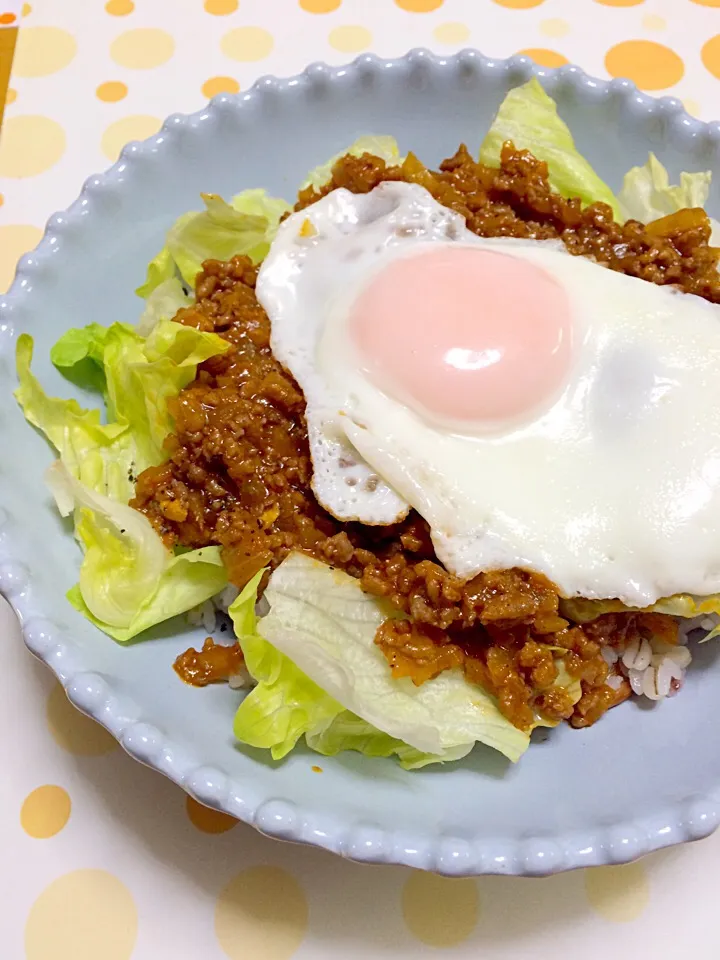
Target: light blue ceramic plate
642,779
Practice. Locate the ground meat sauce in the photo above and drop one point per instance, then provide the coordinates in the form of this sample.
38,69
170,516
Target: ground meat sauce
238,470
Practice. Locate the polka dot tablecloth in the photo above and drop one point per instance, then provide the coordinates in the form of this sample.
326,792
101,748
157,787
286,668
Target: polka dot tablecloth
103,859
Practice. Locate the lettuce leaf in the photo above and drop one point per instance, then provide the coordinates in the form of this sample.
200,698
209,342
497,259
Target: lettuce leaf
324,625
162,304
286,705
138,375
349,732
647,194
99,455
128,580
186,581
246,225
384,147
529,117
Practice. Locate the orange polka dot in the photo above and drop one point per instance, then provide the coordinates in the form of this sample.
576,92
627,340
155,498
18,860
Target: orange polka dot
518,4
10,96
208,820
319,6
220,8
2,199
620,3
111,91
7,18
45,811
544,58
711,55
119,8
419,6
216,85
652,66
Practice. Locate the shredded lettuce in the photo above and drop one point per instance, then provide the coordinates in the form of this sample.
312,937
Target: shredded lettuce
246,225
384,147
529,117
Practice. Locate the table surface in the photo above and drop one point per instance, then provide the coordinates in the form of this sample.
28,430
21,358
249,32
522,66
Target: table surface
101,858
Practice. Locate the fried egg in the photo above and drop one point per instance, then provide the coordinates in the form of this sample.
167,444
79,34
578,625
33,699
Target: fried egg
537,409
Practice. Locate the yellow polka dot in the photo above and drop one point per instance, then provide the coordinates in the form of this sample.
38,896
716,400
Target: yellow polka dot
43,50
419,6
221,8
26,9
45,811
10,96
111,91
652,66
262,912
543,57
692,107
555,27
247,43
619,894
216,85
72,730
653,22
136,127
15,240
620,3
711,55
119,8
451,33
208,820
319,6
707,3
142,49
438,911
30,145
519,4
2,201
350,39
82,915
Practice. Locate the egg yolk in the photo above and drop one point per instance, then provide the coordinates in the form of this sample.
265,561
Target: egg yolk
464,334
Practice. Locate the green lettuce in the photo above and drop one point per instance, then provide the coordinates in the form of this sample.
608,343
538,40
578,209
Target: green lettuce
529,117
138,375
129,581
286,705
246,225
321,674
163,303
382,146
647,193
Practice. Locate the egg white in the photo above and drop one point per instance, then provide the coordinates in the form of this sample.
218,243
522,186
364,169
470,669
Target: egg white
611,491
